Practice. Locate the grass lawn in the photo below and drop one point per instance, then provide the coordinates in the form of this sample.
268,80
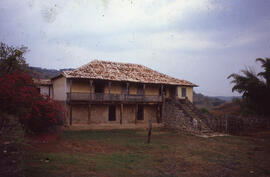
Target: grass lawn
125,153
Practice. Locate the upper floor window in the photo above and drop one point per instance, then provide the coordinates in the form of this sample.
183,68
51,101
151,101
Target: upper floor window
184,92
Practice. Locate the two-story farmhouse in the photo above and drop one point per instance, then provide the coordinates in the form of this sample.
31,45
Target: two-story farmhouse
102,92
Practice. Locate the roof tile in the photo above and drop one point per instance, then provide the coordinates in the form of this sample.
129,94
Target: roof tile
115,71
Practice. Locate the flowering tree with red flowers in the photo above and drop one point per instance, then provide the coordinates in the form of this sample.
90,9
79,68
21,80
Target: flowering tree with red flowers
20,97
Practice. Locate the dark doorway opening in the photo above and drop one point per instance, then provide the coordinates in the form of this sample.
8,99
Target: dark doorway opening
99,87
140,114
172,92
112,114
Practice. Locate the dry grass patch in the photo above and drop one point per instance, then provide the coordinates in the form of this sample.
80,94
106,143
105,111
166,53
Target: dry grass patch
126,153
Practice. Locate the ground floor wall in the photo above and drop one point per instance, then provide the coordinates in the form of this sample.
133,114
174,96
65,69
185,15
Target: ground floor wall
100,114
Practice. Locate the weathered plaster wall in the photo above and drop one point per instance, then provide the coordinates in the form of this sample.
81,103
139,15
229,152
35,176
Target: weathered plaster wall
81,86
189,92
133,89
152,90
116,88
79,114
129,114
59,89
100,114
150,113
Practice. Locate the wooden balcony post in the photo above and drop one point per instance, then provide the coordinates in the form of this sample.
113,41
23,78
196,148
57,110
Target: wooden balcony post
158,113
143,92
127,91
176,91
90,87
162,90
70,88
109,86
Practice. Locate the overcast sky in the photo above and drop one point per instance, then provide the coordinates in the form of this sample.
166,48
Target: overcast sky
202,41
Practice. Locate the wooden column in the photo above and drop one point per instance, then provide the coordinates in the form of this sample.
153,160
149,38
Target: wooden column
143,89
121,113
70,114
163,109
90,88
127,91
136,113
89,113
176,91
158,113
109,86
70,90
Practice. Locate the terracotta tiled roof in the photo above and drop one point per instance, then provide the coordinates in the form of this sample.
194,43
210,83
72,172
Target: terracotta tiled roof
115,71
42,81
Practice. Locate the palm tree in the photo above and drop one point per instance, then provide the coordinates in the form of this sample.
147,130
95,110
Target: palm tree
246,84
255,88
266,74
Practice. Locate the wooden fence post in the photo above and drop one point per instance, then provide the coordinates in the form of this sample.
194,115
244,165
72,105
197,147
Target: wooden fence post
226,123
149,131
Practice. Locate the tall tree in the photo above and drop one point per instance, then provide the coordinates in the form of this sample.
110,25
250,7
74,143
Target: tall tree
254,89
12,59
266,73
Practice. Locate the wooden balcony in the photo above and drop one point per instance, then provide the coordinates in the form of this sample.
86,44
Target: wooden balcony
101,97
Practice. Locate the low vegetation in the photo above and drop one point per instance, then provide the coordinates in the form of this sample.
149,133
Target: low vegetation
126,153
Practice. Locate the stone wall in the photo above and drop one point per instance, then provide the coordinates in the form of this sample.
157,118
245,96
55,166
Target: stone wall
174,118
177,116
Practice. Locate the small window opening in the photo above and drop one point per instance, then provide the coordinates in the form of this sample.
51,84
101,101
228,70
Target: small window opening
112,114
184,92
140,115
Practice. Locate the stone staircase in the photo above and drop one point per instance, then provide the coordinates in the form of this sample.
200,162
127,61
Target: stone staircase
182,114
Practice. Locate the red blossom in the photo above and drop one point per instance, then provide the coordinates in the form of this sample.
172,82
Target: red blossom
19,96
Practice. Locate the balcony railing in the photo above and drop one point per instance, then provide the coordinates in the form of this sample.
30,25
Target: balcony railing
101,97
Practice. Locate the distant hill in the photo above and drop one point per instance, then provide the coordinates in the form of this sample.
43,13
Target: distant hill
201,100
229,108
228,98
43,73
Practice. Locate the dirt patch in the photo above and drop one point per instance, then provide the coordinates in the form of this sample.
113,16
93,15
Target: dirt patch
10,159
11,152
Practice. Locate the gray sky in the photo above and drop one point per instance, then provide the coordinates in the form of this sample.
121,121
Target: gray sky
202,41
